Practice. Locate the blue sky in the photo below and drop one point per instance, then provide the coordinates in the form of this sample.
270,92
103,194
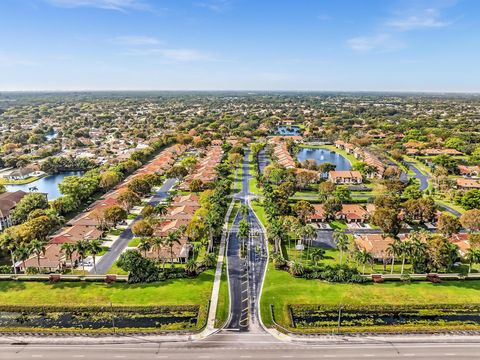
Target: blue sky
397,45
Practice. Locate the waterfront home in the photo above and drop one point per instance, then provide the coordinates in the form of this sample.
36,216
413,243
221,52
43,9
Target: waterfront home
345,177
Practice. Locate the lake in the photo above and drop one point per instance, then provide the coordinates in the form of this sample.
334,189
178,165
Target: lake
47,184
289,130
324,155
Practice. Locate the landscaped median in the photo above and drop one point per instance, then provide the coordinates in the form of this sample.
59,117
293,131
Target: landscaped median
170,300
301,305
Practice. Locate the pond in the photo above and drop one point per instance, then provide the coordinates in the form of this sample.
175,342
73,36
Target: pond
321,156
288,130
47,184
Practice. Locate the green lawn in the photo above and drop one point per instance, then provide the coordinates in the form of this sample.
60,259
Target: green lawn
195,291
239,178
281,289
236,207
134,242
223,300
114,269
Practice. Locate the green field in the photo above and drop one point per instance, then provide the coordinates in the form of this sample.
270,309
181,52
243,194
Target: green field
114,269
281,289
134,242
223,300
172,292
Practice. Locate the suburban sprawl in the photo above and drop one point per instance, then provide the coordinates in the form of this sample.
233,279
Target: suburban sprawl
299,213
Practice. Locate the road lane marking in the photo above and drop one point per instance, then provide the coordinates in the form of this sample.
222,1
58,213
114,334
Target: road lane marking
37,356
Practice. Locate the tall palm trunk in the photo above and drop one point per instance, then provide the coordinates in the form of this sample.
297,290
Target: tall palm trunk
171,254
94,263
403,264
12,255
393,263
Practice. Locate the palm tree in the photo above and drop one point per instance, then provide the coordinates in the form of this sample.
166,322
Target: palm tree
144,245
316,255
191,266
243,232
405,248
81,246
95,248
473,257
68,249
22,253
172,238
211,221
309,234
363,256
342,242
394,250
7,242
296,268
37,247
157,244
275,234
244,211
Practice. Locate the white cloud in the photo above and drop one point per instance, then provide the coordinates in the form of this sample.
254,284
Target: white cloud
429,18
379,42
117,5
136,40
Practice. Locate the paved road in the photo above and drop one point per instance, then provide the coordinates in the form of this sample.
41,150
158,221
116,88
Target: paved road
420,176
107,260
243,346
245,274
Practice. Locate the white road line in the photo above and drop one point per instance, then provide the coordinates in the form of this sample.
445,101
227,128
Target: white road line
119,356
78,356
408,355
449,354
37,356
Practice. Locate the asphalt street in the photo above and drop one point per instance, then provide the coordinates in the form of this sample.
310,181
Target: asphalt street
248,346
245,273
107,260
